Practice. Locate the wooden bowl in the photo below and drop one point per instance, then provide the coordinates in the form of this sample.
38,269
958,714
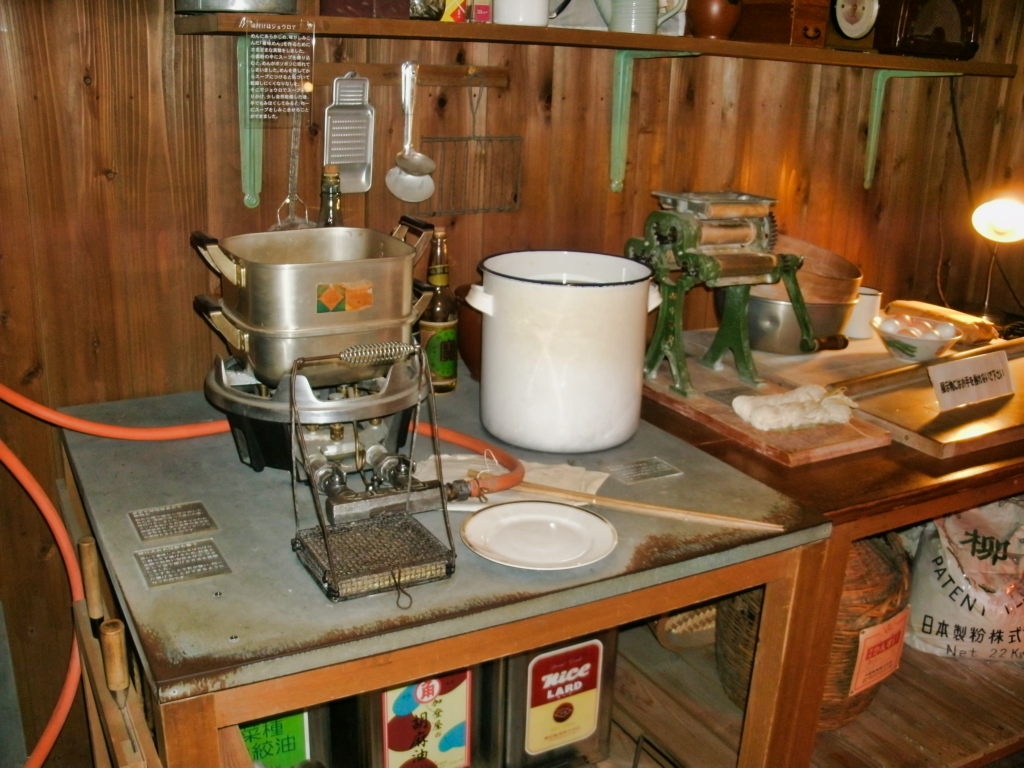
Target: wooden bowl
824,278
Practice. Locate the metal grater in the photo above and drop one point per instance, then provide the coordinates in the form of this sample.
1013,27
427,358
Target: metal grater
348,140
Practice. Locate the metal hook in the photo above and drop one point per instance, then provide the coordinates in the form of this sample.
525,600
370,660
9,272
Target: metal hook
396,579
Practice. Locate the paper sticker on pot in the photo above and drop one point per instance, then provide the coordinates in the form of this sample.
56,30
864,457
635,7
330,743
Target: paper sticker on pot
428,723
563,696
344,297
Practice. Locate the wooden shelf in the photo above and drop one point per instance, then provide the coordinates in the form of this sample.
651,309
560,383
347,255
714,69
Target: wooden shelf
933,712
334,26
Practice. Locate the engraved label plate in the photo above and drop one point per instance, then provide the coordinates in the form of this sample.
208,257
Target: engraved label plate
173,520
181,562
638,471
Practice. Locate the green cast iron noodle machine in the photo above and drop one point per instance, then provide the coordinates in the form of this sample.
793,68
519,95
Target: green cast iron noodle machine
725,241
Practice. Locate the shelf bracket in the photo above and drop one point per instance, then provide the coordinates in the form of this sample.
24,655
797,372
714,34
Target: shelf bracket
622,91
250,131
881,79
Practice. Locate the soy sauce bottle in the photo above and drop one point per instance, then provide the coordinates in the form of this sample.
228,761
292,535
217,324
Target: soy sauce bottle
439,324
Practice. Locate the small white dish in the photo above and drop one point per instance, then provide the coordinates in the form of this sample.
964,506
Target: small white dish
539,535
912,348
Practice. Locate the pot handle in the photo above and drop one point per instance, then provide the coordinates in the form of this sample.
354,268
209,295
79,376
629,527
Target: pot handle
679,6
421,306
653,296
210,310
423,229
212,254
480,300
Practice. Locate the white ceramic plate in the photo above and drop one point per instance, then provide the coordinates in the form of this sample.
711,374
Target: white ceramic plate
539,535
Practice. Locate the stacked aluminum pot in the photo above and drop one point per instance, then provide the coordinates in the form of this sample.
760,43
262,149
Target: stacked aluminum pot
305,293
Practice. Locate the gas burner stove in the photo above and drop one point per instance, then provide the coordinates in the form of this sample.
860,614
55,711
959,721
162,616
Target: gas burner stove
346,441
261,417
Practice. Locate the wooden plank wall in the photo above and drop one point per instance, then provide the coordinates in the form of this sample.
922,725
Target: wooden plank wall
117,138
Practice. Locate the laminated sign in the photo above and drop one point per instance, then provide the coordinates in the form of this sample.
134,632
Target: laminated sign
563,696
879,650
426,724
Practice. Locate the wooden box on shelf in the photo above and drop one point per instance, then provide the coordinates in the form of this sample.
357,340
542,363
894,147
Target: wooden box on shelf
793,22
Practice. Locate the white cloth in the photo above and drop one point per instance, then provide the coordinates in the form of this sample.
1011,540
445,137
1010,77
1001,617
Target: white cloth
556,475
803,407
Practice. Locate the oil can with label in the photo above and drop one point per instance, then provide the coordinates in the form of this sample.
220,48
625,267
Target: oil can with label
547,708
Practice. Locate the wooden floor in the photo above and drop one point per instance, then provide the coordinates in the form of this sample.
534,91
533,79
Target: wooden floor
933,712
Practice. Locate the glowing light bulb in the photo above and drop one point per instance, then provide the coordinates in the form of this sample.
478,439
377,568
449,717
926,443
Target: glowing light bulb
1000,220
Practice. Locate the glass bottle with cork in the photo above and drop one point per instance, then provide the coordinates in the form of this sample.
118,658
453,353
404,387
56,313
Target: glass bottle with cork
440,320
330,198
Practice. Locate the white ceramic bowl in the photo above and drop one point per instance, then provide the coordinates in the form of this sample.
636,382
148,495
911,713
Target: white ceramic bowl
913,350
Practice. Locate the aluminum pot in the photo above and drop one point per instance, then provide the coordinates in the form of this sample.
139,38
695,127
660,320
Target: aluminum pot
312,292
269,355
307,279
563,348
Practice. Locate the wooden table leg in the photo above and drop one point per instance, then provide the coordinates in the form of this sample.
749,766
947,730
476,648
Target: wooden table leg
790,663
187,733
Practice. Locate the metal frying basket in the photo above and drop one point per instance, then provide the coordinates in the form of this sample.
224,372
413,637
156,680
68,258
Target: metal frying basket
475,174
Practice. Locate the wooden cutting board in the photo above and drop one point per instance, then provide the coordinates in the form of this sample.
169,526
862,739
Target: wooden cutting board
712,407
908,410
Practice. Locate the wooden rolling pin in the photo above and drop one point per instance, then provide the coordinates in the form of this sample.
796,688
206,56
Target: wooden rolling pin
654,510
115,660
897,377
90,562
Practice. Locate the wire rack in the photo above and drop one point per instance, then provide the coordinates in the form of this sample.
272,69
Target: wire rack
475,174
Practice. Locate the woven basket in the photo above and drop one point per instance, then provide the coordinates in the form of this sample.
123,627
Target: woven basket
876,588
687,629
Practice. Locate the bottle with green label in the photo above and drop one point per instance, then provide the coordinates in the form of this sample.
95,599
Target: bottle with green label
439,325
330,198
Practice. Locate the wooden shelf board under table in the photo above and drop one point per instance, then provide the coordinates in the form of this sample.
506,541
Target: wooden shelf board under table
933,711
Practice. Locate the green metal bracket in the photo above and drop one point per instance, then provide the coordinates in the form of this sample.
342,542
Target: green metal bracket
881,79
250,131
622,91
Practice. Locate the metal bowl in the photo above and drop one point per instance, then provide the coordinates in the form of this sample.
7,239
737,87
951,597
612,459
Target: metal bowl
773,325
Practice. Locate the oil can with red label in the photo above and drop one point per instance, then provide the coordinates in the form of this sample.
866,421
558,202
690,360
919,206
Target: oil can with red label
548,708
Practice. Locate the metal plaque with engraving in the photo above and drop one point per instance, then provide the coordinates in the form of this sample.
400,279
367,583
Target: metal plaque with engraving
181,562
173,520
638,471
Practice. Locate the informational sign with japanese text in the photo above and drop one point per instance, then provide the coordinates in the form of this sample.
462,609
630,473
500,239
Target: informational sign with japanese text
279,65
428,724
962,382
278,743
879,652
563,696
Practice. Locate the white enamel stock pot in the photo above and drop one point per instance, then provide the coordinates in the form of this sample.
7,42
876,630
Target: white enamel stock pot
563,348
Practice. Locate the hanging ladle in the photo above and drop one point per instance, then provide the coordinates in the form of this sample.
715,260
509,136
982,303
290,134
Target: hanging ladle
410,179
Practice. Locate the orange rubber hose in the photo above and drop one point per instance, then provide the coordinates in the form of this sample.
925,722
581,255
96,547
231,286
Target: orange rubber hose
59,419
489,483
67,551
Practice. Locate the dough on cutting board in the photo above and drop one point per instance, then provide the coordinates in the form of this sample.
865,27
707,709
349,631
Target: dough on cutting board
806,406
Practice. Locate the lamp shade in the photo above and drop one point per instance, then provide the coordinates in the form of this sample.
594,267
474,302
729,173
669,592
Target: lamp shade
1000,220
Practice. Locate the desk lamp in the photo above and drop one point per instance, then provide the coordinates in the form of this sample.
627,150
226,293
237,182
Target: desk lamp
1002,221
